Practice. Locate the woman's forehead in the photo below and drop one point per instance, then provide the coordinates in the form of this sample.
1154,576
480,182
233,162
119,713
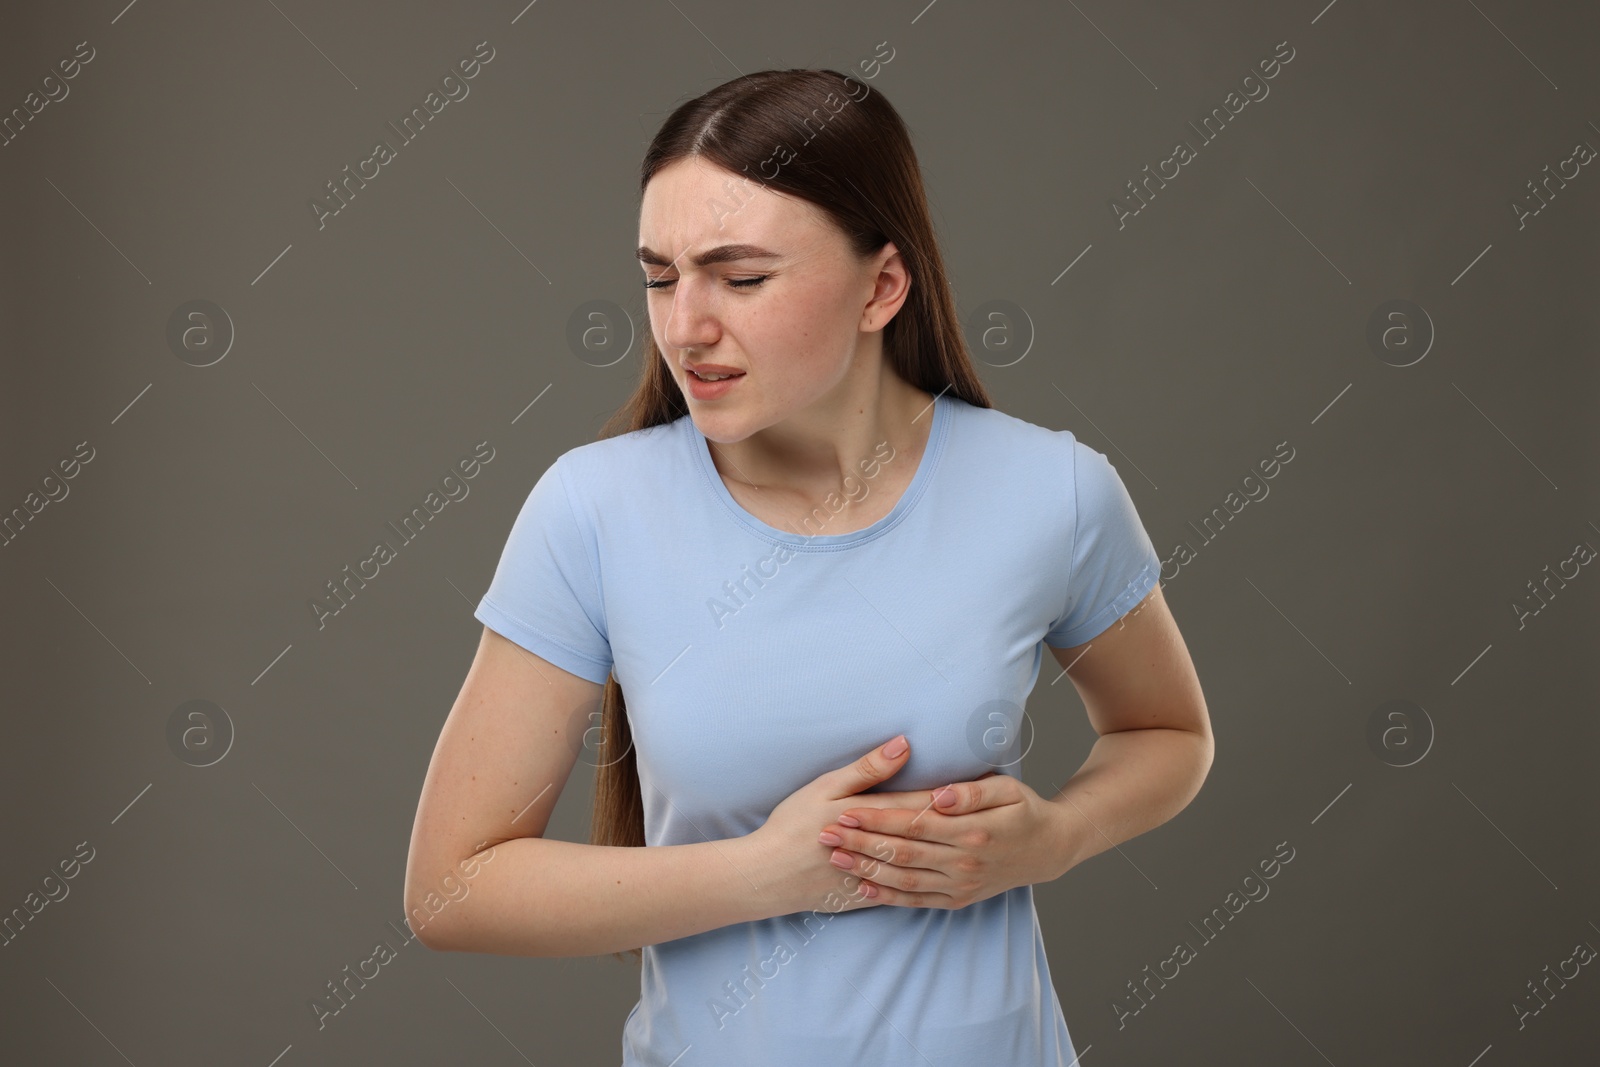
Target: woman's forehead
693,202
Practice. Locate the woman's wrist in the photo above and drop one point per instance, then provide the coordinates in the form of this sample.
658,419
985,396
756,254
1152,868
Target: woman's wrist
759,871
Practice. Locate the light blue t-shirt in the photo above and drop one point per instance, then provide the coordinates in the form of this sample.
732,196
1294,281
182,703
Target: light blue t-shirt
753,659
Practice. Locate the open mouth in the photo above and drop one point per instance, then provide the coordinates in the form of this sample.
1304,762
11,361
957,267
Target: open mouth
715,377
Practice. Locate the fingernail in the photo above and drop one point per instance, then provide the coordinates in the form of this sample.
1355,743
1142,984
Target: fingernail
849,820
944,796
839,859
894,748
828,837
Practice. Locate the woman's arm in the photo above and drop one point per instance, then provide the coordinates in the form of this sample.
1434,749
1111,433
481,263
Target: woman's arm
1155,749
502,758
539,897
974,839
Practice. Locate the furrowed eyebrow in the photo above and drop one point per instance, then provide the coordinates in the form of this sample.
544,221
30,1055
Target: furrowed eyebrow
720,254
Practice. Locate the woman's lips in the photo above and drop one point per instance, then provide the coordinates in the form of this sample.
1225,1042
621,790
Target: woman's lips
704,390
711,368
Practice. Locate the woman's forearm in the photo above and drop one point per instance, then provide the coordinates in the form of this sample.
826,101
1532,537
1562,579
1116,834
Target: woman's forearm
546,897
1133,781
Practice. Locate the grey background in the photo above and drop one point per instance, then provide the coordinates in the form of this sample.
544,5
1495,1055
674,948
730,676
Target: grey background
367,357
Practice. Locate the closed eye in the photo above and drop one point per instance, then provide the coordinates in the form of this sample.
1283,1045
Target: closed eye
737,283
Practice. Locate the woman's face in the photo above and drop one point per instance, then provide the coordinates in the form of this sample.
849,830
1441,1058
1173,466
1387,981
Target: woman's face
781,301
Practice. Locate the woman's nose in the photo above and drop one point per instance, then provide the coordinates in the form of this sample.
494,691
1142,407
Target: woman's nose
689,322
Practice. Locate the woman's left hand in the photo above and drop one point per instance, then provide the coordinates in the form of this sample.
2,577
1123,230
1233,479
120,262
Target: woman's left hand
973,840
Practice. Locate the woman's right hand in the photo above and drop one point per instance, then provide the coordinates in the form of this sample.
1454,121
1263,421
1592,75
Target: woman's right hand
793,868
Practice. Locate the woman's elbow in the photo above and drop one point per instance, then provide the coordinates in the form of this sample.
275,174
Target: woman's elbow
425,933
425,915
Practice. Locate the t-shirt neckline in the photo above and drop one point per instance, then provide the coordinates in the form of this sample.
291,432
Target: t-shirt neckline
820,542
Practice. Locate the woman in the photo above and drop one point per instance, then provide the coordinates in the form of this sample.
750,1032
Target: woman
822,568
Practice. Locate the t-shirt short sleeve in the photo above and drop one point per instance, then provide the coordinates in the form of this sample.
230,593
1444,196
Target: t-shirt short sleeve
1113,562
545,595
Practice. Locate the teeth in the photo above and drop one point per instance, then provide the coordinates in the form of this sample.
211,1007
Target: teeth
711,377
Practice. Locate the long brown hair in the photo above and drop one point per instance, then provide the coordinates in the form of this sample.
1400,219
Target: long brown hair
857,165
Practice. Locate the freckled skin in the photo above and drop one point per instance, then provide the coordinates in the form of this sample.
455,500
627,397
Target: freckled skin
809,338
767,331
